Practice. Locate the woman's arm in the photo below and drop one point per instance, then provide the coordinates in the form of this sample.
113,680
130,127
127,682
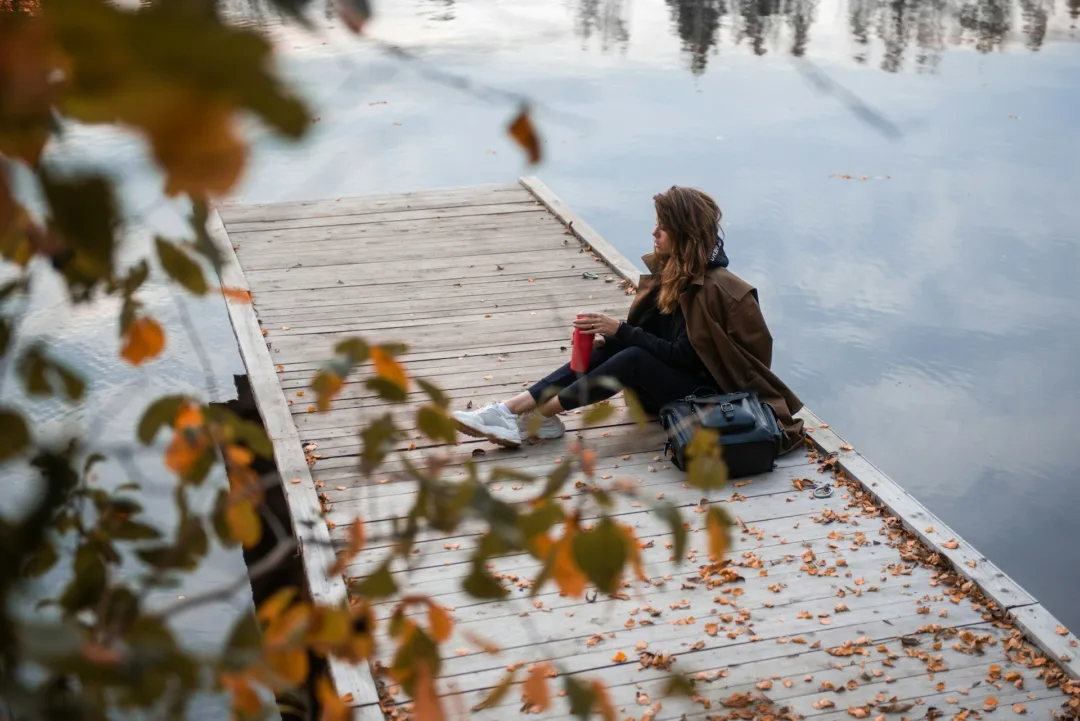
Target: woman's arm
678,353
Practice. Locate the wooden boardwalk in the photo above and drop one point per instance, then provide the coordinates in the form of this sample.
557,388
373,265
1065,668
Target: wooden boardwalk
859,604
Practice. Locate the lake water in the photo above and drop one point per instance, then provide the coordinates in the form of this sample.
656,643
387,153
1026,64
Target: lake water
929,312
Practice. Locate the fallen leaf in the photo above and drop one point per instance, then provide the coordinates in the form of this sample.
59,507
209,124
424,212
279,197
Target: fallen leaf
1061,631
619,657
846,447
952,545
990,703
1019,708
764,685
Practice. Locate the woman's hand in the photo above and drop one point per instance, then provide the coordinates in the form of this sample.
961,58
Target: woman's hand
596,323
598,341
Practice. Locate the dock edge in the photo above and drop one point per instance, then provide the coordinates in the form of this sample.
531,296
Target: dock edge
1038,624
312,535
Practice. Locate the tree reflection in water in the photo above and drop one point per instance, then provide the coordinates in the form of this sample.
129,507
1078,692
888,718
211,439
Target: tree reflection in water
907,30
903,33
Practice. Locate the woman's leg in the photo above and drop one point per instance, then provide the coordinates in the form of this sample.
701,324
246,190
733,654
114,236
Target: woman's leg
654,382
499,422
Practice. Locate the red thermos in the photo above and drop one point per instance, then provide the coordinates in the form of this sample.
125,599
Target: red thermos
581,351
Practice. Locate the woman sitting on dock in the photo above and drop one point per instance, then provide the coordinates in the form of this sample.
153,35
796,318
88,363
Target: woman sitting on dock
693,324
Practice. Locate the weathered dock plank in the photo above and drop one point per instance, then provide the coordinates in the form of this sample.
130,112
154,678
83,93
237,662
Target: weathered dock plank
482,283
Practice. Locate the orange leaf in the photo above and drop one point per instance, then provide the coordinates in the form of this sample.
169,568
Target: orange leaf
718,535
195,141
333,706
189,440
990,703
602,703
536,691
386,366
1061,631
427,705
619,657
143,340
244,522
570,580
237,295
441,623
1019,708
244,698
26,94
523,132
290,664
272,608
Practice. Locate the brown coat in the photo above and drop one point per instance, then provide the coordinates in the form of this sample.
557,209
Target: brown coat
729,335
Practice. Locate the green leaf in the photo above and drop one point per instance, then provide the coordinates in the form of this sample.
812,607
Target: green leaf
83,213
580,695
135,531
86,586
43,559
679,686
387,390
498,693
436,425
219,521
598,414
601,553
93,459
637,411
355,349
14,434
44,376
434,392
705,468
161,412
244,646
5,335
418,647
180,267
540,519
378,440
480,584
556,480
378,585
670,514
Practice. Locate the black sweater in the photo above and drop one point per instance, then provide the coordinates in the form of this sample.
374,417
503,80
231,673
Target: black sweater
664,336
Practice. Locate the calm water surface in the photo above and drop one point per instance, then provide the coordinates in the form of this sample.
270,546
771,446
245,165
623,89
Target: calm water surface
929,312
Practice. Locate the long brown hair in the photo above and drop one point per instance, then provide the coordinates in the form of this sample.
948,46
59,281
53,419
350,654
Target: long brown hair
691,219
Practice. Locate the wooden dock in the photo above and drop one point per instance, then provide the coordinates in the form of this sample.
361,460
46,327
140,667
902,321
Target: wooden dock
861,604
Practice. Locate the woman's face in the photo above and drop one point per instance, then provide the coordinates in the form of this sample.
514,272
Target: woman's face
661,241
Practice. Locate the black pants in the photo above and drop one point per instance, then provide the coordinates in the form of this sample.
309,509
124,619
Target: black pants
612,368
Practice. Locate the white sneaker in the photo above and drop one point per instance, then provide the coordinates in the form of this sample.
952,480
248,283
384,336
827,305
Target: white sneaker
534,425
492,422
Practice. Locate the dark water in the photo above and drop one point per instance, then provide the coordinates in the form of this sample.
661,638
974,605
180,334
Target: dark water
929,312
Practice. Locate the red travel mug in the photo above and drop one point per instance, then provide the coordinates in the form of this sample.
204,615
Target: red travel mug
581,351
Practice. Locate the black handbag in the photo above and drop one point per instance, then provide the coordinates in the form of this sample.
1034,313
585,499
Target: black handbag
750,434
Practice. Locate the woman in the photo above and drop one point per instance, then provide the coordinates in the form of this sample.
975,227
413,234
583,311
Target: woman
693,324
